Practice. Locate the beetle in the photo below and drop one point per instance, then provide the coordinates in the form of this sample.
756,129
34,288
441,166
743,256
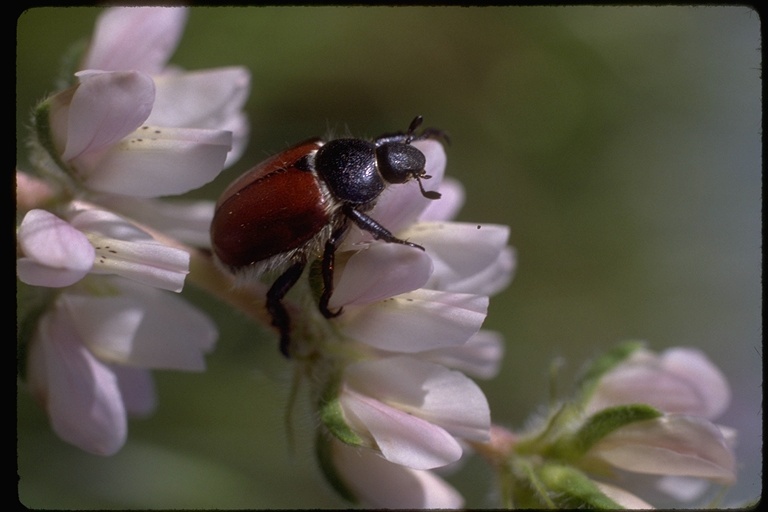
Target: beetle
297,205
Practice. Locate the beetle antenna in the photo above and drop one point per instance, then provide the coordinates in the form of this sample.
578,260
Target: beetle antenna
429,194
412,128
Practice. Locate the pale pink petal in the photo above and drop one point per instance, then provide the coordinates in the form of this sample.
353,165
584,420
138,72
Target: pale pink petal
416,321
135,38
480,356
682,488
383,485
402,438
380,271
622,497
154,162
670,445
491,280
693,366
200,99
56,253
137,388
468,258
188,221
106,107
125,250
142,326
680,381
80,393
429,391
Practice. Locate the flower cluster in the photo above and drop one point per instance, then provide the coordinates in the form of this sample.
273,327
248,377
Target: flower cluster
636,412
392,392
99,252
102,254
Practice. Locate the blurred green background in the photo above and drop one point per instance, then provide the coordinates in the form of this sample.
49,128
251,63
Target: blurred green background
621,144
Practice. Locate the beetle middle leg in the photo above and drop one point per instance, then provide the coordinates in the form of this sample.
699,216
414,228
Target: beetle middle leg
329,258
280,318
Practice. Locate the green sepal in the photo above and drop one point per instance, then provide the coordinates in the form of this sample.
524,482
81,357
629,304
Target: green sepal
332,415
323,449
599,425
569,488
592,374
51,165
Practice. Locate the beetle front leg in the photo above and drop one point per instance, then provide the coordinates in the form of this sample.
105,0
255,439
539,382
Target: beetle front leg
280,318
378,231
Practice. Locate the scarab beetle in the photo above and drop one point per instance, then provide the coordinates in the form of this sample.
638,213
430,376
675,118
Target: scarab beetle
297,205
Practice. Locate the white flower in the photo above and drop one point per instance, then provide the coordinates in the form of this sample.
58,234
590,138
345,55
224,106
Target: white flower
130,131
690,391
412,411
415,318
380,484
399,299
89,358
101,131
143,39
59,253
56,254
133,130
679,380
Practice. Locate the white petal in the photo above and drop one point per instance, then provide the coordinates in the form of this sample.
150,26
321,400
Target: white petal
693,366
623,498
465,255
448,206
416,321
132,253
80,393
429,391
402,438
57,254
209,98
137,389
492,280
682,488
670,445
240,127
380,271
381,484
155,162
142,326
480,356
185,220
106,107
135,38
679,381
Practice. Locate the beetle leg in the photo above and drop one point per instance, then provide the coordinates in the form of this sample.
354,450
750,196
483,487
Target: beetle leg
329,257
280,318
378,231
